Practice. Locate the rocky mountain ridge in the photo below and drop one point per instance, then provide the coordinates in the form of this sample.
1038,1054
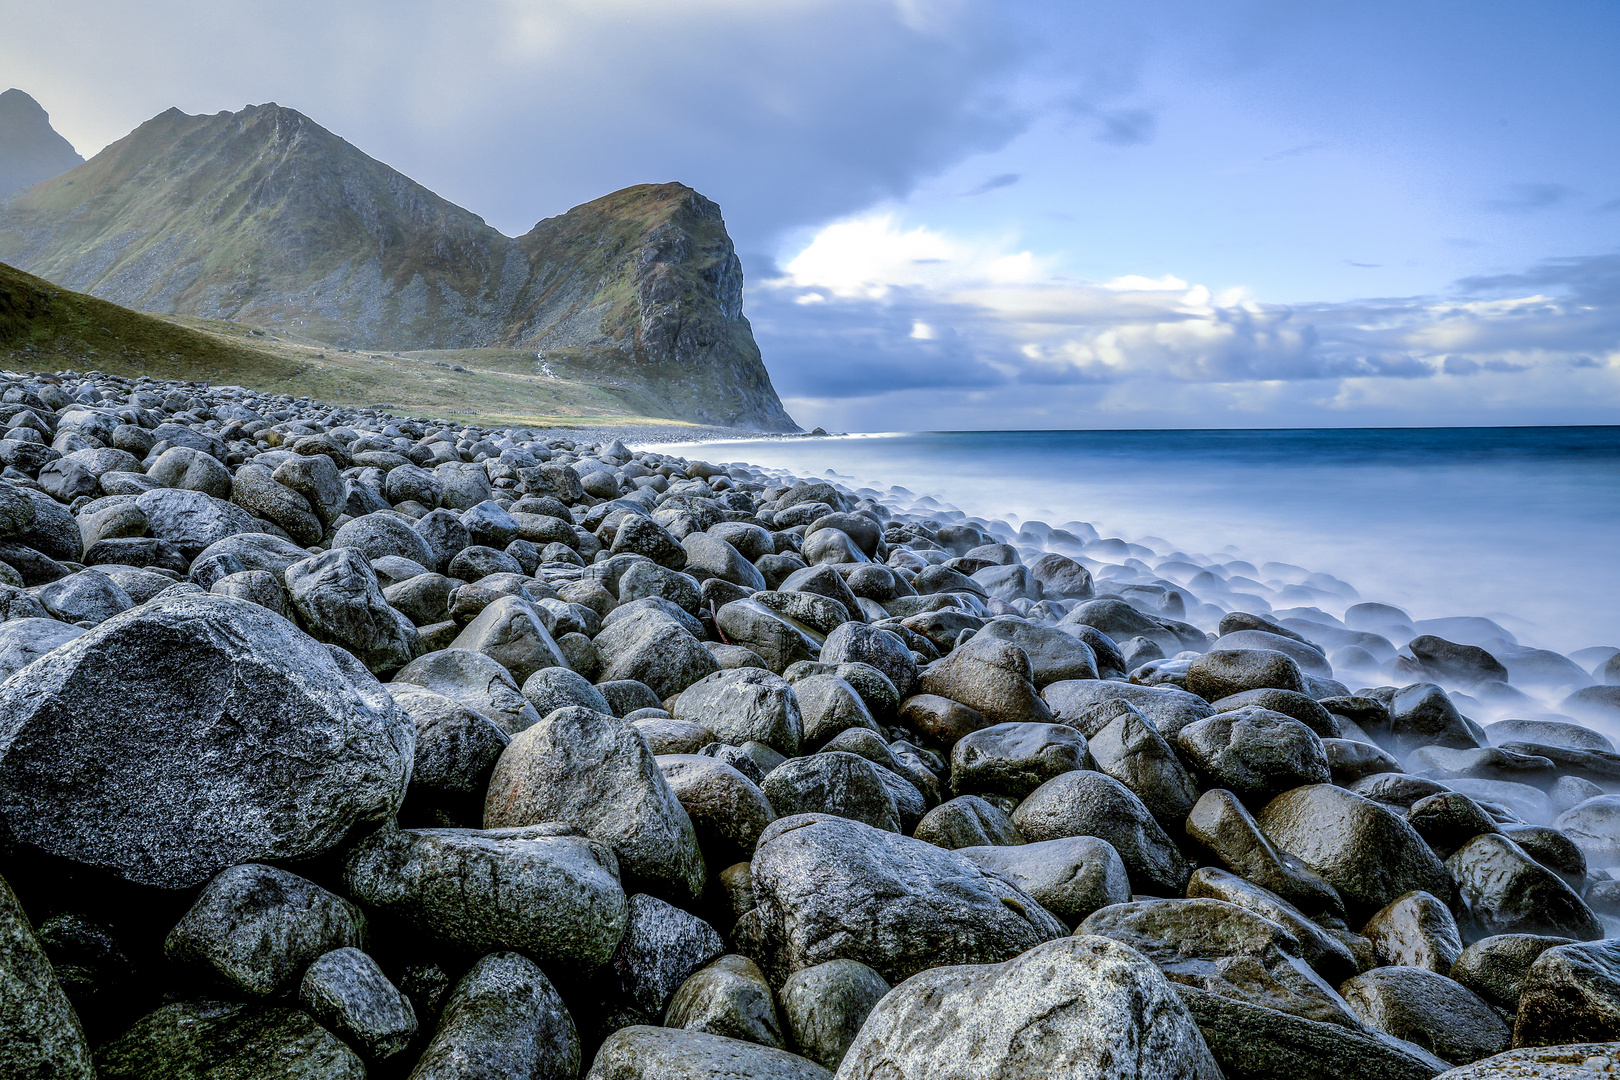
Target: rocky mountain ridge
265,217
30,149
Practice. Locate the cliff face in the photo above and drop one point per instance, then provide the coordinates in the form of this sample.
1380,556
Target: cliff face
265,217
30,149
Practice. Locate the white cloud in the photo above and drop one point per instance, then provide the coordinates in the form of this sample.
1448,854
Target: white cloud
980,323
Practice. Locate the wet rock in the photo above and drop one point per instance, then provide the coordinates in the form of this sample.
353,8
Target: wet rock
1081,1000
1086,705
1551,849
1415,930
40,1034
223,736
1071,877
1221,824
831,888
257,928
1429,1010
456,751
939,720
1504,891
826,1005
1255,753
858,643
1092,804
192,521
990,676
730,997
1308,712
503,1019
1015,759
1225,949
742,705
1221,674
1594,825
596,773
1575,1062
728,810
1422,715
967,821
1322,950
1571,994
828,706
839,784
1495,967
543,889
348,993
1362,849
1456,663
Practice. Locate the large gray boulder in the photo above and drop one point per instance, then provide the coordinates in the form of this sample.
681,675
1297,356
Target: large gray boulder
40,1034
192,521
504,1019
831,888
338,600
222,735
256,928
1087,704
1071,877
825,1005
596,773
544,889
510,632
649,646
1091,804
348,993
1083,1007
475,681
745,704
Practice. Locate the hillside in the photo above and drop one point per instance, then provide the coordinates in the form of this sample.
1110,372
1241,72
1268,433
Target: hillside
265,218
45,327
30,149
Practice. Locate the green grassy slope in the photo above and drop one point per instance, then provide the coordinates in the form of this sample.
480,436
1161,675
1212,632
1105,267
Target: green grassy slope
45,327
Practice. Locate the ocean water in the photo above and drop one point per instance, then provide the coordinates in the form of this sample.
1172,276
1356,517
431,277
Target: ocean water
1519,525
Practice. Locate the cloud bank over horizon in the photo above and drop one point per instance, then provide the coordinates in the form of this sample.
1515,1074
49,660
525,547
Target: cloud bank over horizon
879,327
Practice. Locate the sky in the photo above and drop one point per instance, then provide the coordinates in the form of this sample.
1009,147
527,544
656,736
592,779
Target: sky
957,214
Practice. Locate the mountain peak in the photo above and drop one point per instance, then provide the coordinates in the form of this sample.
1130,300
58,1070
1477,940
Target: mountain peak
30,149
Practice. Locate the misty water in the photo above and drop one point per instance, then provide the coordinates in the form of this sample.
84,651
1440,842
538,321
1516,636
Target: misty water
1518,525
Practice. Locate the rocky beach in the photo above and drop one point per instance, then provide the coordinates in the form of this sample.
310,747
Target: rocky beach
338,744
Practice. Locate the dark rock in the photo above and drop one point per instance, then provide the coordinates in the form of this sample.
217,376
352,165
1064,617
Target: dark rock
1504,891
859,643
1458,663
831,888
1086,704
1571,994
504,1019
744,704
730,997
991,676
1221,674
348,993
1071,877
826,1005
545,890
1255,753
1301,708
1015,759
653,648
1092,804
659,1053
338,600
1222,825
596,773
1317,947
40,1034
206,1038
475,681
1415,930
1429,1010
1495,967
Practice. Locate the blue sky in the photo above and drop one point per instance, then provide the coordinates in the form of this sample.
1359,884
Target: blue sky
957,214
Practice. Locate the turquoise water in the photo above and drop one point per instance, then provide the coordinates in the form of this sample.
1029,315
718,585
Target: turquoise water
1516,524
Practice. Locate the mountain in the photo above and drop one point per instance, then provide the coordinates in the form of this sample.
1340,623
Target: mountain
263,217
30,149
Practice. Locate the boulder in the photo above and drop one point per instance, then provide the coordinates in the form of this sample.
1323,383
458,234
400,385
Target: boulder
1092,804
40,1035
661,1053
728,810
830,888
651,647
778,639
1429,1010
1504,891
1366,852
1131,750
663,946
510,632
1081,1006
825,1006
991,676
1071,877
742,705
1086,704
967,821
1015,759
1571,994
256,928
596,773
348,993
836,783
1495,967
338,600
223,735
543,889
504,1019
206,1038
475,681
1225,672
1255,753
730,997
1415,930
191,520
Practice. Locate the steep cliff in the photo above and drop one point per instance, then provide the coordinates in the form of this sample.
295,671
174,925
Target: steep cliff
30,149
264,217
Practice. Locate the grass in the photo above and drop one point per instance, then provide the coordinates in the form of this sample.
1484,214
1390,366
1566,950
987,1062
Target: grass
46,327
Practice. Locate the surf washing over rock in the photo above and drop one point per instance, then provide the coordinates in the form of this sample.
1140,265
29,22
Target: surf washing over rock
342,744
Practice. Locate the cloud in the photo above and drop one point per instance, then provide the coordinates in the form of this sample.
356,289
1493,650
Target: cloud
789,114
994,183
1127,127
923,312
1293,152
1528,198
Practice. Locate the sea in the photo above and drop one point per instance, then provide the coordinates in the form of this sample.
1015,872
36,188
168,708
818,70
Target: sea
1519,525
